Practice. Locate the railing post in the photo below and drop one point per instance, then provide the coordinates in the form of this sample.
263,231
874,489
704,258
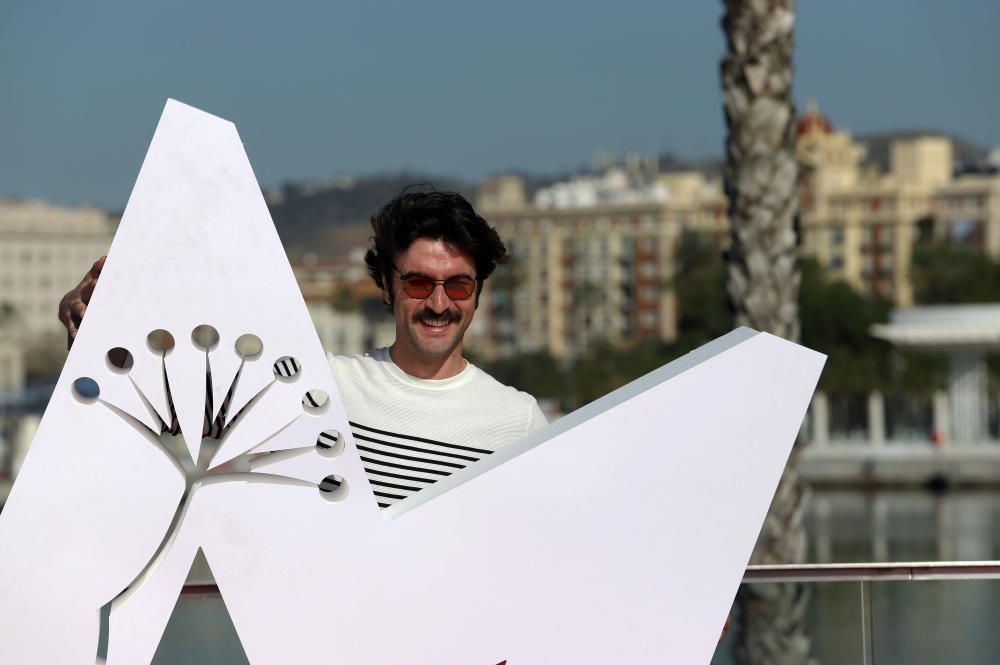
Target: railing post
867,637
820,417
876,418
942,419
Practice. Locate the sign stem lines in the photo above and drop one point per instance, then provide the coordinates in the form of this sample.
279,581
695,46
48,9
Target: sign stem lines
212,433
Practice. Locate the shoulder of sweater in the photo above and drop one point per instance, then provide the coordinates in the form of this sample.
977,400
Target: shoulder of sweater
353,359
489,384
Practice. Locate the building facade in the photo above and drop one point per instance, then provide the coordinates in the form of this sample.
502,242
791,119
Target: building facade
344,303
861,223
592,260
44,252
593,257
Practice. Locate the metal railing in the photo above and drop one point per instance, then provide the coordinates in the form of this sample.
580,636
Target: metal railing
864,574
813,572
867,572
868,576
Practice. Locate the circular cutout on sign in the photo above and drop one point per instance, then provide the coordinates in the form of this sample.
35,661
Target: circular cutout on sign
316,402
287,369
119,360
160,341
333,488
249,346
86,390
329,443
205,337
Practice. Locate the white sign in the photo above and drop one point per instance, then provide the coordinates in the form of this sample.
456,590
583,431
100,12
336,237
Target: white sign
618,534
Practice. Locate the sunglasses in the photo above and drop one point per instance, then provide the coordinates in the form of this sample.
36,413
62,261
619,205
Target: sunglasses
420,286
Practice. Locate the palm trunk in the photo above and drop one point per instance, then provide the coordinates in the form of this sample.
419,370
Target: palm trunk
763,282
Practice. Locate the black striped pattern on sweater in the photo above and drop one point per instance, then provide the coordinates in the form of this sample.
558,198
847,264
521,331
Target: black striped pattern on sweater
400,465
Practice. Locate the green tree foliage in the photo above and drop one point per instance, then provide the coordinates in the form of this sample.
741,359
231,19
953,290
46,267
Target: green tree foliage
836,320
537,373
700,284
345,300
945,273
605,368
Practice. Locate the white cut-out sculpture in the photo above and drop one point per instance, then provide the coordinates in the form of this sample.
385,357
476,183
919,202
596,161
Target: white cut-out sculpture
616,535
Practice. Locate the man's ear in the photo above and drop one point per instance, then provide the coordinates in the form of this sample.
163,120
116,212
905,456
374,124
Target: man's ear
386,290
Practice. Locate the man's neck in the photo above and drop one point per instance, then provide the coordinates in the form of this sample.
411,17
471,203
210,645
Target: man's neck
428,368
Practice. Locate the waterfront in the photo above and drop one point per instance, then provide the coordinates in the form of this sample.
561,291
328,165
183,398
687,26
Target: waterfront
913,622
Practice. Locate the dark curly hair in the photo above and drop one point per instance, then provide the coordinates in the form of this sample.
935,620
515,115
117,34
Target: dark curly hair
428,213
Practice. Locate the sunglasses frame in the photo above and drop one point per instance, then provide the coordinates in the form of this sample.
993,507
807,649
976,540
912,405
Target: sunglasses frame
405,281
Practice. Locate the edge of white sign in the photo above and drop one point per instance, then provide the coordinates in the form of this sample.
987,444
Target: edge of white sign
571,420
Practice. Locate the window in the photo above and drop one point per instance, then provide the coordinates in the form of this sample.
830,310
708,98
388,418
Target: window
836,262
837,235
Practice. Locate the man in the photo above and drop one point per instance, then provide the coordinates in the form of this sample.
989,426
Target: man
419,411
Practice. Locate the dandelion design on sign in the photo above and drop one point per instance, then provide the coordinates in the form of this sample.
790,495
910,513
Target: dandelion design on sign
249,465
197,411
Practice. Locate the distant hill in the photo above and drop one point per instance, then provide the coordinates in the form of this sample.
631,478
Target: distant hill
326,219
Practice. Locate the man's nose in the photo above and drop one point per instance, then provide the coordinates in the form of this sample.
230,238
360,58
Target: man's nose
438,300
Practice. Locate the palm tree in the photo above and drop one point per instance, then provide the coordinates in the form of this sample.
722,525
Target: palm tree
763,281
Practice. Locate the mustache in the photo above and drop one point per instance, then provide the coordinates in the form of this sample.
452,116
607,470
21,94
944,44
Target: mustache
426,316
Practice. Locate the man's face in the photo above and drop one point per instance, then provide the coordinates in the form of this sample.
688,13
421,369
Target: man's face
431,328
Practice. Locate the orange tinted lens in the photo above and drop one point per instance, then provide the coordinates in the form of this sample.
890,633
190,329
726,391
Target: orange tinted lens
417,286
459,288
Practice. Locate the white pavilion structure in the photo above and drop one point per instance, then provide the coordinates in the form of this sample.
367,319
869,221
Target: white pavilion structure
966,334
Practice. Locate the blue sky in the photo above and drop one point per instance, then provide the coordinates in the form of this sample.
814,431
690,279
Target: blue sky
320,89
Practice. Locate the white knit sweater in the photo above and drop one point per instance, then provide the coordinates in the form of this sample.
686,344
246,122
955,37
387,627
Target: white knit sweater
412,432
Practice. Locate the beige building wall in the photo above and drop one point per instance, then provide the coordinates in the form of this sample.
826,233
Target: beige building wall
922,161
862,224
340,333
967,211
579,276
11,361
45,250
503,192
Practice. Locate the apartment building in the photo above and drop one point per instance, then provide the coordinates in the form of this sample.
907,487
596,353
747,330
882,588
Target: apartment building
861,223
594,256
344,303
592,260
44,252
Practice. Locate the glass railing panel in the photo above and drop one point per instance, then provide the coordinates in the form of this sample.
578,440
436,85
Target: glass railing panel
200,631
939,622
849,622
833,626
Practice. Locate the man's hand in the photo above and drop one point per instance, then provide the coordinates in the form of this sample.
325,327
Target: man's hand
74,304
